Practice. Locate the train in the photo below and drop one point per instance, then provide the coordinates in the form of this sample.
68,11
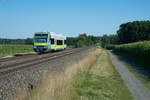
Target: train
48,41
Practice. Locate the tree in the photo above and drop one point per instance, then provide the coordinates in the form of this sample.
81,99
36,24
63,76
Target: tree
82,40
134,31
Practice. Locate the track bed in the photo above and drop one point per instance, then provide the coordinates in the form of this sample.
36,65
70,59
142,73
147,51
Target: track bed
28,73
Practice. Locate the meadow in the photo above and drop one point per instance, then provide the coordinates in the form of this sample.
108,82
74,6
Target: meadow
10,50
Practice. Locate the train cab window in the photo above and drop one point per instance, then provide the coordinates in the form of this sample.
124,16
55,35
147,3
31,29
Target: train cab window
52,41
40,40
59,42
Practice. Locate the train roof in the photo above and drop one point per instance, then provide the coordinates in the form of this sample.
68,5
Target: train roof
41,32
53,35
58,36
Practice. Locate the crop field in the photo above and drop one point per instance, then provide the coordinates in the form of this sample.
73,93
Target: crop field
9,50
139,51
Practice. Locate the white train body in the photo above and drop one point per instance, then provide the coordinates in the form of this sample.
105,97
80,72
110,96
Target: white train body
47,41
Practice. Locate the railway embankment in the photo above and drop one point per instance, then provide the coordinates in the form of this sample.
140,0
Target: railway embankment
22,75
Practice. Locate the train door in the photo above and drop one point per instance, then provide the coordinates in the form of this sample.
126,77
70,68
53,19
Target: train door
52,42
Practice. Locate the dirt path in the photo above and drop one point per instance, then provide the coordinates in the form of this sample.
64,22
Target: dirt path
138,90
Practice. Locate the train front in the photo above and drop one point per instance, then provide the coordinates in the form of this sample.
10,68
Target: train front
41,42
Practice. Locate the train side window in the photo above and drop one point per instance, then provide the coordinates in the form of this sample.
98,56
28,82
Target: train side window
52,41
64,41
59,42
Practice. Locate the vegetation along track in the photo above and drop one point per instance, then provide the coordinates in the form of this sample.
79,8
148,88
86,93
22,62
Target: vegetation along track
4,70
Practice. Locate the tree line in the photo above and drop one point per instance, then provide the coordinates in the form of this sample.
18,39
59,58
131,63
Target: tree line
80,41
83,40
129,32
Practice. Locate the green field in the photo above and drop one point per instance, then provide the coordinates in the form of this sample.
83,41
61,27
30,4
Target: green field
140,49
138,52
10,50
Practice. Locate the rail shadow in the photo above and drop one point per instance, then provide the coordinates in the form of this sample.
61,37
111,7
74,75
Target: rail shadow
19,54
138,68
52,51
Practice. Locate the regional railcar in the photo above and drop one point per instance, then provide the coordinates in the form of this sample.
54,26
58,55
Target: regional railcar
49,41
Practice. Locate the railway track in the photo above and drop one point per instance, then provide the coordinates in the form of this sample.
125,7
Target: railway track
16,57
16,61
5,70
8,59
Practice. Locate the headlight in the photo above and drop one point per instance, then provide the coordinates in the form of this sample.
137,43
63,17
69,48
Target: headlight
45,47
35,47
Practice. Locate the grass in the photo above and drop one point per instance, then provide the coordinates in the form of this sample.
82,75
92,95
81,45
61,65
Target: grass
10,50
92,78
101,82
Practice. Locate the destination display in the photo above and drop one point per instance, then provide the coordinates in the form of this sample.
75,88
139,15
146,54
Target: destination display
41,35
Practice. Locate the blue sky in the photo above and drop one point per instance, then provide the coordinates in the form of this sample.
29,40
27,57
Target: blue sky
21,18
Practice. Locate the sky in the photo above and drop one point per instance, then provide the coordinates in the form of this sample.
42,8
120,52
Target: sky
22,18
